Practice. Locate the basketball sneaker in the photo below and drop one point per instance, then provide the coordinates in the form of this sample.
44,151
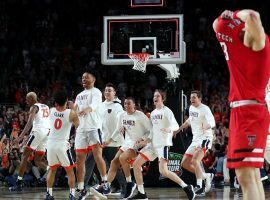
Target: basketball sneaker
49,197
18,187
82,195
129,190
199,191
140,196
71,197
189,190
102,191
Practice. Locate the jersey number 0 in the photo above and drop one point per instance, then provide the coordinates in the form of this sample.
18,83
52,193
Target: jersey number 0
57,123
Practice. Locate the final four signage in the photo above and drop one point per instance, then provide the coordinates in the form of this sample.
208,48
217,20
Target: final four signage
174,164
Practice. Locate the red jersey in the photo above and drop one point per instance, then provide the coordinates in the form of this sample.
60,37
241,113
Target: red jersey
249,70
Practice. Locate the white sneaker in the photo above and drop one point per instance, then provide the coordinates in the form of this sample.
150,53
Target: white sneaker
208,181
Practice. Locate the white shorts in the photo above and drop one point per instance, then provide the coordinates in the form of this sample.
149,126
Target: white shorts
204,144
129,146
59,154
149,153
37,140
267,150
86,140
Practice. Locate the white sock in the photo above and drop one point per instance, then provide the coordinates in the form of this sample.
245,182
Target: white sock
199,182
108,184
104,178
49,190
204,175
183,184
141,189
20,178
72,191
80,185
128,179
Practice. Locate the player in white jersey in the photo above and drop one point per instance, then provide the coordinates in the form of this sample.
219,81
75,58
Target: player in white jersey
88,134
202,123
39,121
160,140
135,126
58,147
267,99
110,111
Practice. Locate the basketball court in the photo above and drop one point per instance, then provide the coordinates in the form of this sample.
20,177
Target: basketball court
224,193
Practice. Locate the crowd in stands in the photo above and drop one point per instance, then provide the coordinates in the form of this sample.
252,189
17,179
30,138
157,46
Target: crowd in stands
48,44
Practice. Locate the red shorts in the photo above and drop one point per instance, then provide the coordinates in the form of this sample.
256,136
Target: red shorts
247,136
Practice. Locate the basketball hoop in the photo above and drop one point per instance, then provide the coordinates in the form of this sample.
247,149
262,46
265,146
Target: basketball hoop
140,60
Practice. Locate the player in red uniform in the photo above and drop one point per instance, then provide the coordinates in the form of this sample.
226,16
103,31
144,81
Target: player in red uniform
247,51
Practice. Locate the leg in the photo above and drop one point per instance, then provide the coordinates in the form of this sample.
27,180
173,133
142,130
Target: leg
187,164
138,173
109,154
80,159
124,157
196,161
50,177
50,182
115,165
40,162
26,153
105,189
71,182
163,169
89,167
249,179
101,165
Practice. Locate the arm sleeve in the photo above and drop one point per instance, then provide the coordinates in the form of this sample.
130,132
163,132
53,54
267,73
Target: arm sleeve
173,123
96,100
147,126
116,133
210,117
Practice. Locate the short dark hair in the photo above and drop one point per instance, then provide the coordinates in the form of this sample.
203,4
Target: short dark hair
92,72
60,97
199,94
111,85
130,98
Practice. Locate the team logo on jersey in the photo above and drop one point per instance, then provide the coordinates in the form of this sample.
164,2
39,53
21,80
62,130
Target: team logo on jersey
109,110
251,139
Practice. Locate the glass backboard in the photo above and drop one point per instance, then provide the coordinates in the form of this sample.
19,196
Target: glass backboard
159,35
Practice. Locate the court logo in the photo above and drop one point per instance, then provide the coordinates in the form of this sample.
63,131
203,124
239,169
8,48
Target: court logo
251,139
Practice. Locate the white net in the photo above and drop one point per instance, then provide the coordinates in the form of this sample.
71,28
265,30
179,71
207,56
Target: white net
140,61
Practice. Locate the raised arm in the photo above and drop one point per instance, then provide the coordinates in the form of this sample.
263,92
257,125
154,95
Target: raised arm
255,35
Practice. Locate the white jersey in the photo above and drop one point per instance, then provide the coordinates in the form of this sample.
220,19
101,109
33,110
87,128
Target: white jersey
91,98
198,117
137,126
162,118
110,111
41,119
60,125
